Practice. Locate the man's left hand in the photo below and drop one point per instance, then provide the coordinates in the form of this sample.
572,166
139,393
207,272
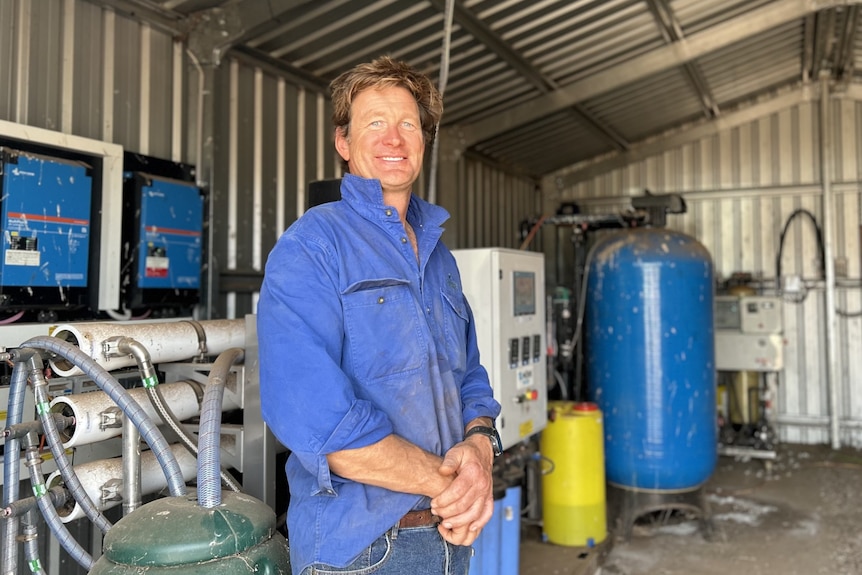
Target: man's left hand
468,503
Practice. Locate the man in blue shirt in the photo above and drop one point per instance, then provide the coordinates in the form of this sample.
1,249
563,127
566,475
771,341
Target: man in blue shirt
369,367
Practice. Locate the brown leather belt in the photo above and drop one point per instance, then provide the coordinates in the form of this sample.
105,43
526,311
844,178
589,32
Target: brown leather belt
421,518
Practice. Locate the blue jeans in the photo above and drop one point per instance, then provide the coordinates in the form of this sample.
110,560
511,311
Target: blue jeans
412,550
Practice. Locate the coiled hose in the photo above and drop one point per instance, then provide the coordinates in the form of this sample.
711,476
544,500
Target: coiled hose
209,448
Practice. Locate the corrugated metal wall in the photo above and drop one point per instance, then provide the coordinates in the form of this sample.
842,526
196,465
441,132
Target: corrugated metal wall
73,67
257,137
740,187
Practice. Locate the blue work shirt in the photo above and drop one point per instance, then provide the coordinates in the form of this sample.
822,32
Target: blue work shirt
358,340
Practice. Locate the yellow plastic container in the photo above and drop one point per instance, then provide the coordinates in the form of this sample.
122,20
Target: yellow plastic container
573,484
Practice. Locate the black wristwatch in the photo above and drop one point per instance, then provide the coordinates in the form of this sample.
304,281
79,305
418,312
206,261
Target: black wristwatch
491,433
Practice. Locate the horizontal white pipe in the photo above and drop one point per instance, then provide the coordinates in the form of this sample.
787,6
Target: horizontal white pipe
88,409
96,474
165,341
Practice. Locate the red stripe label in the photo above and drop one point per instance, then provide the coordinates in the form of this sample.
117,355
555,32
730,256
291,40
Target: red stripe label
52,219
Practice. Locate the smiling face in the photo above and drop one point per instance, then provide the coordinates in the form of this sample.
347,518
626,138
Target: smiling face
385,139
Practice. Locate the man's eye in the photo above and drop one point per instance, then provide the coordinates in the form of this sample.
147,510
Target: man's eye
376,124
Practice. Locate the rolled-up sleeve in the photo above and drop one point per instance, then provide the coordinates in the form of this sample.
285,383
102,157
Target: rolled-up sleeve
306,399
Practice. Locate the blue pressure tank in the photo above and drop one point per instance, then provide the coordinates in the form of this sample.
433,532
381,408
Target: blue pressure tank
651,358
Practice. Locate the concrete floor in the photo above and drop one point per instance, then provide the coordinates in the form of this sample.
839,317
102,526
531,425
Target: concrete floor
801,517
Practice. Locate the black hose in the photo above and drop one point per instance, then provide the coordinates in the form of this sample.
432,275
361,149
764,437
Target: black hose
799,212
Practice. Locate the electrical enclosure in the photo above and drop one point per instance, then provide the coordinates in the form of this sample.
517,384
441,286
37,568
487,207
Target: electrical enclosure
46,209
505,289
163,231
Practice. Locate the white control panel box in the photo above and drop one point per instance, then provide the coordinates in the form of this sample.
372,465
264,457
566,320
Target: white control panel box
736,351
506,291
748,333
749,314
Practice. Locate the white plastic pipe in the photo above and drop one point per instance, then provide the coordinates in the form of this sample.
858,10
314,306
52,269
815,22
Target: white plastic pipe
165,341
88,409
97,474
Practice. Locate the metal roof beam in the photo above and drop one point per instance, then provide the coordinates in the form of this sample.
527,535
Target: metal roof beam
843,66
147,11
672,32
214,31
674,55
484,34
654,146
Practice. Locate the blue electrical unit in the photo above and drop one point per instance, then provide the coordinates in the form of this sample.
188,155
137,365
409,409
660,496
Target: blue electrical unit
164,230
171,230
45,206
497,549
651,358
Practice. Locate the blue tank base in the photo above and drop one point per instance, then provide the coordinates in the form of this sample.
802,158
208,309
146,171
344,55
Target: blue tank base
626,506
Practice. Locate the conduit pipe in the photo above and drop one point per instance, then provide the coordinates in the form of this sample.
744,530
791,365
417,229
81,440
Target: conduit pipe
826,172
165,341
131,467
103,479
93,411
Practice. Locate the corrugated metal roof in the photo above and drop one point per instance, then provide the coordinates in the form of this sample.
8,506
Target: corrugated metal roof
541,85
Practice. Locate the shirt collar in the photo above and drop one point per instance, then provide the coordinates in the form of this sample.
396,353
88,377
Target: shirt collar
366,197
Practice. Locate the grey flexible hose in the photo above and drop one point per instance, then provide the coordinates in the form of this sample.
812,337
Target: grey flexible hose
148,429
73,484
170,419
55,524
31,543
11,471
209,448
150,380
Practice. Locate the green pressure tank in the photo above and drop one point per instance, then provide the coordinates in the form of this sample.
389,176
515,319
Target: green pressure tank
176,536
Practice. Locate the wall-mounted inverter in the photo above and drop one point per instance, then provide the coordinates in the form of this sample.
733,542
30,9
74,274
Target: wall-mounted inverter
45,206
163,243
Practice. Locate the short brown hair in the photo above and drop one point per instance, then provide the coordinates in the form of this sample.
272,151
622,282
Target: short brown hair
384,72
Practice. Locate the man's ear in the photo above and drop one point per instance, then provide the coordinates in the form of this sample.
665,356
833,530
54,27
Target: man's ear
342,145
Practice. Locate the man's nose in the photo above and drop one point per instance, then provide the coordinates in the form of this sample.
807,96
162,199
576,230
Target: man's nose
392,135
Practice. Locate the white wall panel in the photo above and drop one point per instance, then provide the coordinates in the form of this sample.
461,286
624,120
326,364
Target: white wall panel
741,185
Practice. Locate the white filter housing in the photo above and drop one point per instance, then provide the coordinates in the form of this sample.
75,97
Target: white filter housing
97,477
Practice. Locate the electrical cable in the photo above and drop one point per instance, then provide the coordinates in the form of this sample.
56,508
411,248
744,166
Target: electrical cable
779,254
804,290
441,87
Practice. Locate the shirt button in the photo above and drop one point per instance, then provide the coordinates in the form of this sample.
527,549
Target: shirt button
388,212
380,299
403,240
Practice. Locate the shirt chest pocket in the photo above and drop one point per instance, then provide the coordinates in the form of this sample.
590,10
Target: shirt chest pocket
383,334
455,326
